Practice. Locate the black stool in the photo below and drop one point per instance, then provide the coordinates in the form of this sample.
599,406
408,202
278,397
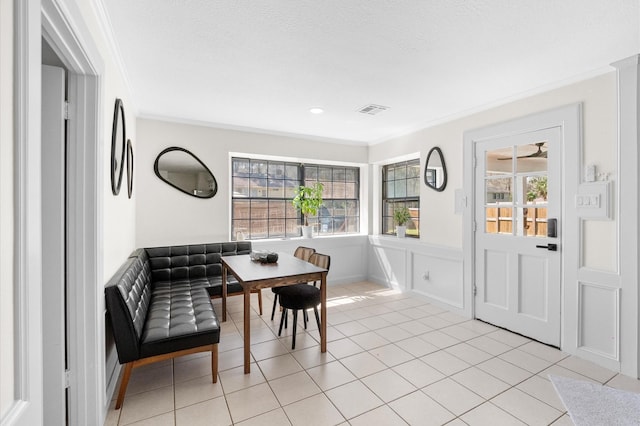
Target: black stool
301,252
296,297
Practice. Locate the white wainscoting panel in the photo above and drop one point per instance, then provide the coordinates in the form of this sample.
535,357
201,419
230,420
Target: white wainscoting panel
598,319
409,264
439,278
388,266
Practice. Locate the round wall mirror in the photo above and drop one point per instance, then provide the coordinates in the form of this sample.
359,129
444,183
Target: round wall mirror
185,172
129,168
118,143
435,171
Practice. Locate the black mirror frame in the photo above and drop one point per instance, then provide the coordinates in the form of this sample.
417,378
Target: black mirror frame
444,170
129,168
176,148
116,181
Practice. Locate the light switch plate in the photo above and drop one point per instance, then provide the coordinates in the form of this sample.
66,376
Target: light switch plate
593,200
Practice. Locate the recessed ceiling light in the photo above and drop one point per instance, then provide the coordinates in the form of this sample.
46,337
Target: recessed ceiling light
316,110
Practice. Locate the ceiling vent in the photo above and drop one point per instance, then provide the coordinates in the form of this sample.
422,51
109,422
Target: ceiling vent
372,109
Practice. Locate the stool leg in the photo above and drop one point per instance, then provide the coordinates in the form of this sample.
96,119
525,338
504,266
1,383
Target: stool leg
305,318
282,318
260,301
315,310
295,323
275,302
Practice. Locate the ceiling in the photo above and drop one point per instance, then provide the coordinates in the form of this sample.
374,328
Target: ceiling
261,65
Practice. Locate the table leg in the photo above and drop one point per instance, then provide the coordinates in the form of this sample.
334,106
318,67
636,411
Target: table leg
224,293
247,331
323,313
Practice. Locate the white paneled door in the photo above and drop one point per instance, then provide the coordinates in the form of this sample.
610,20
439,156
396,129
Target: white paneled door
518,233
54,331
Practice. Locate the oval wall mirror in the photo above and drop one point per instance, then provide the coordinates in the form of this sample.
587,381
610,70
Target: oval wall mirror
435,171
118,143
185,172
129,168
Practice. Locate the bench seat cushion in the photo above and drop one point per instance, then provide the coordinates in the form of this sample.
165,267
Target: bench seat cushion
215,286
180,316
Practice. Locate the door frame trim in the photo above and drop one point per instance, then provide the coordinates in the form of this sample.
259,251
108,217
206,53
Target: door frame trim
62,25
26,407
64,29
568,119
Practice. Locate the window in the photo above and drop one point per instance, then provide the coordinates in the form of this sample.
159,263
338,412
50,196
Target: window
401,188
262,191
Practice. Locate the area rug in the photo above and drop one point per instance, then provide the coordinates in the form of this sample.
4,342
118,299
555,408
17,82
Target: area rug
591,404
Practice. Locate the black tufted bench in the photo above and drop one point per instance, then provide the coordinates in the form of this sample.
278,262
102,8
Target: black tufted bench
159,303
199,264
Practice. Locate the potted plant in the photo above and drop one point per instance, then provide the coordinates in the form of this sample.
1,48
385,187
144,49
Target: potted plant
400,217
308,200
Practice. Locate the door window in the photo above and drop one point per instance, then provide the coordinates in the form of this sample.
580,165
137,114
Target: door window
515,188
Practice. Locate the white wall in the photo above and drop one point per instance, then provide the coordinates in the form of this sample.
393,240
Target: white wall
118,211
440,226
6,206
166,216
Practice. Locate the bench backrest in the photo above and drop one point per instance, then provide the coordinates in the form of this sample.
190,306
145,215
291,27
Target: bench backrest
192,261
128,295
128,292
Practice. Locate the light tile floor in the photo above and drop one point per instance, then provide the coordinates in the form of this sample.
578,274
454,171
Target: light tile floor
393,359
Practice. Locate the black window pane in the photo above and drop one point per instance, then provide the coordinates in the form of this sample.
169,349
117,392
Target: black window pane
413,170
311,173
241,167
400,188
259,168
350,190
262,191
277,228
413,187
276,188
292,172
325,173
240,187
258,188
390,189
276,170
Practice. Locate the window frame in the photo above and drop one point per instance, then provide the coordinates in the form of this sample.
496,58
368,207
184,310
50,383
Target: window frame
387,225
292,219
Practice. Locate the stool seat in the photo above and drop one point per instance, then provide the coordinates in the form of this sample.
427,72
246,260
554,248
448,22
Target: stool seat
299,296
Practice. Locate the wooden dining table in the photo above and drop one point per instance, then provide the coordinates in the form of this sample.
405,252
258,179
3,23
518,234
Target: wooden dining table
288,270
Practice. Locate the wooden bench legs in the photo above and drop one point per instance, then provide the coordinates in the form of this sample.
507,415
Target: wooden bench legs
128,368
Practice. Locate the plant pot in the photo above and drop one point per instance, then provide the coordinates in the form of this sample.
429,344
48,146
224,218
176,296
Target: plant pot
401,231
307,231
